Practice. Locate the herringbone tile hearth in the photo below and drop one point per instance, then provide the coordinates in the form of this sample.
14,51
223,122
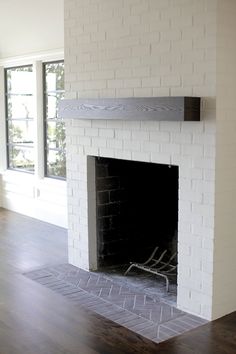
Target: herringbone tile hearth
121,303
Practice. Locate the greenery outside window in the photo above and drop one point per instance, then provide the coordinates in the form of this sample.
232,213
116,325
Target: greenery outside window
20,118
54,127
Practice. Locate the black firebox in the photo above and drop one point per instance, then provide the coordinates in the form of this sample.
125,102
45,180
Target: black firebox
137,209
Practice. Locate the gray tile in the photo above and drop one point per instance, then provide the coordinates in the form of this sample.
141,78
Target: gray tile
126,319
142,326
149,332
135,322
175,326
124,303
185,323
118,315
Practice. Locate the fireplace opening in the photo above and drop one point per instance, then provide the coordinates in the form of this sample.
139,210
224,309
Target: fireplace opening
137,210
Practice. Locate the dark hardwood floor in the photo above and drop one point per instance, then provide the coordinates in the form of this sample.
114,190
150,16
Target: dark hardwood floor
35,320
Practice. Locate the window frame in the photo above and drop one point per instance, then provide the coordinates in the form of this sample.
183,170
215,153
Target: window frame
7,143
45,120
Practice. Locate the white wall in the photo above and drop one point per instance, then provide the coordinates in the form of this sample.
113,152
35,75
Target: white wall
31,32
225,214
43,199
29,26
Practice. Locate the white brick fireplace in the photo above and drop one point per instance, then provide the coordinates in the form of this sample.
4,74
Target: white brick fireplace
137,48
191,146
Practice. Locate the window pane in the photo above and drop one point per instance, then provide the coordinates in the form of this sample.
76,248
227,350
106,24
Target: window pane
54,76
20,113
56,163
21,132
20,80
20,106
56,135
21,158
52,101
54,127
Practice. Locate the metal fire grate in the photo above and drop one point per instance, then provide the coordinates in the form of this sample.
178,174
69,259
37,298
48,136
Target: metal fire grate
158,263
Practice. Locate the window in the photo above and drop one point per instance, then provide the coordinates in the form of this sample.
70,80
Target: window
24,89
54,127
20,118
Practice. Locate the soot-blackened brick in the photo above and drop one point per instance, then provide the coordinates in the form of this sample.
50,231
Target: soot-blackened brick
107,183
103,197
108,209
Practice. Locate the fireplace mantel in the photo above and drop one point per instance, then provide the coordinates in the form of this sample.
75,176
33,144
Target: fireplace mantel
143,108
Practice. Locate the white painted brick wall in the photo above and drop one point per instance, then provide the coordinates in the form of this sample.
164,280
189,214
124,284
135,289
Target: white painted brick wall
118,48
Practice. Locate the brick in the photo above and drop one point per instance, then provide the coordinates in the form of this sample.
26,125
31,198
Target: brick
141,156
206,139
106,152
114,124
192,127
183,69
123,134
171,80
150,146
170,148
205,162
123,73
181,91
161,69
172,35
98,36
142,71
101,142
132,145
170,126
98,123
181,138
161,91
134,125
190,80
122,154
90,150
193,56
90,132
140,135
115,83
106,133
143,92
193,150
115,144
194,32
124,92
150,125
160,158
160,137
132,83
141,50
108,74
151,82
85,141
139,8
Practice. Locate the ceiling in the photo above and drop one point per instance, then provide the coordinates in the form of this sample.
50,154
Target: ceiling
29,26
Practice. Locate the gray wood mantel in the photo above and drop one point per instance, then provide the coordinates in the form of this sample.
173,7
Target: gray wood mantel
146,108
